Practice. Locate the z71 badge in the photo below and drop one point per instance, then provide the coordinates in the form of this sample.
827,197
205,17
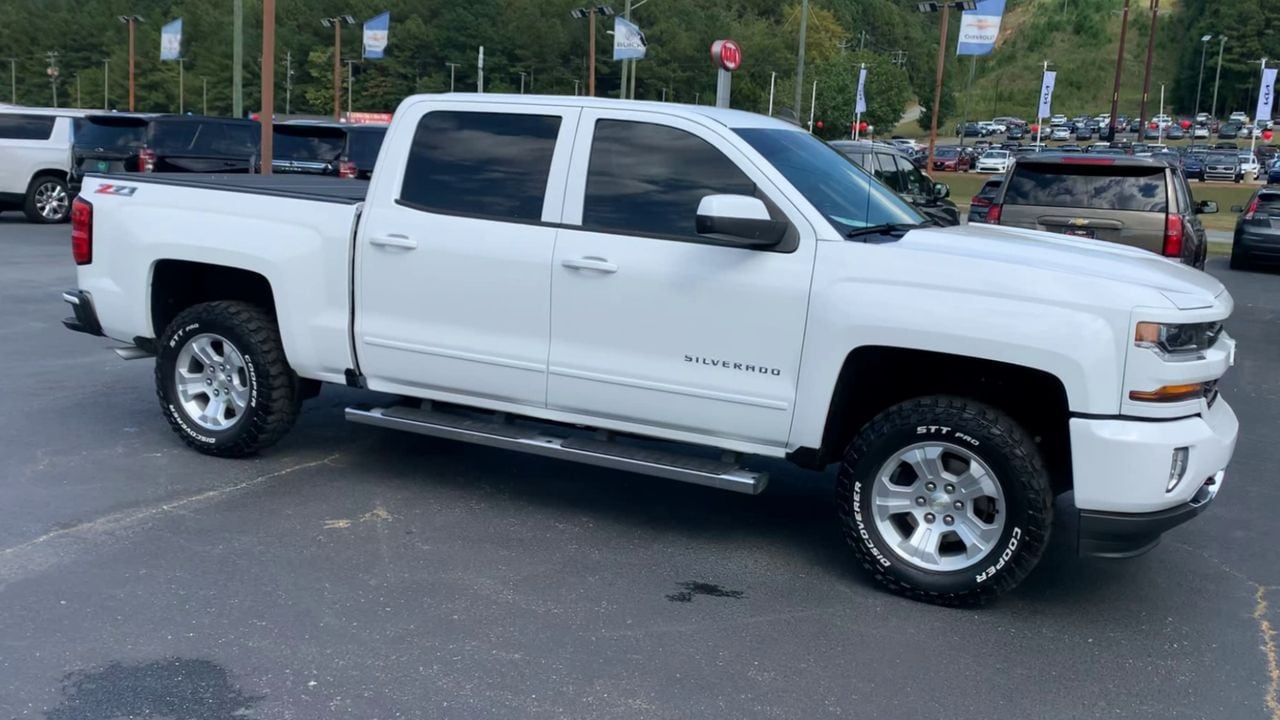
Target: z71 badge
125,190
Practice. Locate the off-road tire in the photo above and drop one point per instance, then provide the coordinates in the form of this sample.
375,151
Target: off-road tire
275,395
1002,445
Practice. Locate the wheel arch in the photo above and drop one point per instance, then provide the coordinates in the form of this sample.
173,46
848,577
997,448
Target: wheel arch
876,377
178,284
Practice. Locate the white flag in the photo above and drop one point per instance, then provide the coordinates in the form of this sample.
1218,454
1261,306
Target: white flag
862,98
628,42
1046,93
1266,95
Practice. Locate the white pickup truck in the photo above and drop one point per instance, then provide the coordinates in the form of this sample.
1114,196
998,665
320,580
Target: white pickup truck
677,290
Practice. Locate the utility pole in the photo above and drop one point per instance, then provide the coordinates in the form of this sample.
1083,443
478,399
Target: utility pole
237,58
1222,41
591,65
288,81
1151,50
1204,48
13,80
773,81
937,83
266,116
522,76
1115,91
182,81
452,67
804,30
106,85
78,90
626,64
576,83
131,21
480,70
204,96
351,84
53,74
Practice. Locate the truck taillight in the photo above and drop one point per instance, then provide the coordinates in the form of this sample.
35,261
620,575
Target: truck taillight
347,169
1173,232
993,215
146,160
82,231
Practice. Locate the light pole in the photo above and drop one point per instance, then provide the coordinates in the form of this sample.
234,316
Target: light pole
1115,91
336,23
204,96
351,84
945,7
1204,47
773,80
1222,41
590,14
452,68
237,58
804,30
106,85
267,115
1151,50
522,76
132,21
1160,131
13,80
288,82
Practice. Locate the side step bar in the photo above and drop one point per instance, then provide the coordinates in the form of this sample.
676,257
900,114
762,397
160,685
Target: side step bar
603,453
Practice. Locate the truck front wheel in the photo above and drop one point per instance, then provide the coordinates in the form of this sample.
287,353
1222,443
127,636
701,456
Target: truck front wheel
223,381
945,500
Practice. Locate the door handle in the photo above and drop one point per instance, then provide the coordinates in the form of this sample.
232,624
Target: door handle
590,263
394,241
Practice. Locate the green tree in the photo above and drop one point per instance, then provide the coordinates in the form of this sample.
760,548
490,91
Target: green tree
886,93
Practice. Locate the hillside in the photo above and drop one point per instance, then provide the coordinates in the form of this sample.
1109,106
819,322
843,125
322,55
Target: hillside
1080,42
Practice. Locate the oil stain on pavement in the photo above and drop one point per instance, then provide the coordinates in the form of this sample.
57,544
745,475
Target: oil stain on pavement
170,688
693,588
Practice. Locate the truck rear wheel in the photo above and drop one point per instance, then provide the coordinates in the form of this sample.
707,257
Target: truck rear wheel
945,500
223,381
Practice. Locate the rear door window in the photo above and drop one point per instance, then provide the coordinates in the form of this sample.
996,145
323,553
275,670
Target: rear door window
26,127
1268,205
111,134
481,164
889,174
1100,187
912,180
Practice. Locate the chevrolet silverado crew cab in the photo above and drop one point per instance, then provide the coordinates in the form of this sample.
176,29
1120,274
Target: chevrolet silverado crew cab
681,291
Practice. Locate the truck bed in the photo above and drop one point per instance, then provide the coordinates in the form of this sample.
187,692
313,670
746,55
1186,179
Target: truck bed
321,188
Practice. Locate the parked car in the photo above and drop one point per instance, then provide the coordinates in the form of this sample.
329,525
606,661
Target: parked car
1200,132
972,130
1126,200
951,159
35,160
1257,235
719,284
1152,133
327,148
1273,173
1056,120
891,167
1174,132
1239,117
1068,148
1249,165
1168,157
1225,146
981,203
123,142
1220,165
996,161
1193,166
1015,132
1060,133
1229,131
1162,121
1084,132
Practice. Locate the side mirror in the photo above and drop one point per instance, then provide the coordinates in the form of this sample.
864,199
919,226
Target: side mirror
741,217
941,190
1237,208
1206,207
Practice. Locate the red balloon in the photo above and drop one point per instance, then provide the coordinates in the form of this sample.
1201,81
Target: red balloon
1154,126
819,124
1267,135
862,126
1186,124
1035,129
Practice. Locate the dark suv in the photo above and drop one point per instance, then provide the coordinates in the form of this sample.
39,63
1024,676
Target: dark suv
891,167
327,148
1257,236
1132,201
118,142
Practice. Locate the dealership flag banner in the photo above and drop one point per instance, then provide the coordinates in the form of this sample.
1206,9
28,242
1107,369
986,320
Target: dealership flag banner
376,30
628,42
171,40
1266,95
979,28
1046,93
861,106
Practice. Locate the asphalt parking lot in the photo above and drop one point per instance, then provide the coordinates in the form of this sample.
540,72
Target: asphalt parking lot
353,572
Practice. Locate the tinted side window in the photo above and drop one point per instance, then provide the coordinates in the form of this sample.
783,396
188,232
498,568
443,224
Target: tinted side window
1182,192
1088,186
889,174
862,160
492,165
649,179
912,180
26,127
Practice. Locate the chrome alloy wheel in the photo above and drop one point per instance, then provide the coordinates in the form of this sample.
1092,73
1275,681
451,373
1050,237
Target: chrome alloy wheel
938,506
51,200
212,382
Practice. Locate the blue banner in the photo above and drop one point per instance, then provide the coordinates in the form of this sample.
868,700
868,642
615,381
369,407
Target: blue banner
171,40
628,42
979,28
376,30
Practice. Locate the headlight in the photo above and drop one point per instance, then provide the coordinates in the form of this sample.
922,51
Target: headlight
1177,342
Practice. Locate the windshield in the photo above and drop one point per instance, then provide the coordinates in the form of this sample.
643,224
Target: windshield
193,137
315,143
1220,158
110,134
946,152
995,155
844,193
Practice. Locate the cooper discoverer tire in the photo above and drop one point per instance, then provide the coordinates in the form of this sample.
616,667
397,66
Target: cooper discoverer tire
223,381
945,500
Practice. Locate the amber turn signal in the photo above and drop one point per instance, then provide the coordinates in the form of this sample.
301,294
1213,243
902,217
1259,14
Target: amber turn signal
1169,393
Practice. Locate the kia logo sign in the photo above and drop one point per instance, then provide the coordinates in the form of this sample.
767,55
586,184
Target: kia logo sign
726,54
